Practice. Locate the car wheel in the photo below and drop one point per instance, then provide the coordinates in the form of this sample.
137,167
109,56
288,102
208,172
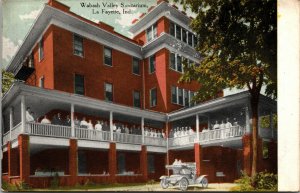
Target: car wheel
164,184
204,182
183,184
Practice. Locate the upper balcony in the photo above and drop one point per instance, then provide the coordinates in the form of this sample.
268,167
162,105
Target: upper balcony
25,69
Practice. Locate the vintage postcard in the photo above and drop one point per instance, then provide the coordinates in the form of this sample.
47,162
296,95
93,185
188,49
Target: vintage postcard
143,95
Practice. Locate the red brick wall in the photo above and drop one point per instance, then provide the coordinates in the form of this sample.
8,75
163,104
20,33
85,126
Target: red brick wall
97,161
66,65
45,66
159,165
24,153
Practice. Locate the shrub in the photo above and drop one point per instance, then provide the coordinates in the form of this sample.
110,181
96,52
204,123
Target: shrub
262,181
21,186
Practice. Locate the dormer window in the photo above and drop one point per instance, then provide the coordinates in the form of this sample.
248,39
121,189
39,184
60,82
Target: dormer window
151,32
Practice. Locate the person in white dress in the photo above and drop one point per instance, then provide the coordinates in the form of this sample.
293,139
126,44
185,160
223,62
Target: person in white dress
98,126
45,120
83,123
228,126
29,117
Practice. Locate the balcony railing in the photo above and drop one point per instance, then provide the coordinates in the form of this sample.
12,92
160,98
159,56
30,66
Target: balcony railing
49,130
127,138
6,137
155,141
92,134
183,140
219,134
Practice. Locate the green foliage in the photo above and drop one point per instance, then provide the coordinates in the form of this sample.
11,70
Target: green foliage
54,183
262,181
21,186
238,44
7,80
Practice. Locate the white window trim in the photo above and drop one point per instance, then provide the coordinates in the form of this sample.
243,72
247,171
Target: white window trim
111,52
139,98
112,88
133,58
74,34
41,42
151,97
150,65
40,81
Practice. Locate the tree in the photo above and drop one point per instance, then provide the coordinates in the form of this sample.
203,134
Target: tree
237,40
7,80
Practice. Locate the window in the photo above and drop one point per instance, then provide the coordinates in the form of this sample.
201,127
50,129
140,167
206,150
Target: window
265,149
42,82
184,38
41,49
190,39
108,90
78,45
180,96
191,98
152,64
174,94
151,32
179,63
136,99
173,61
172,29
79,84
151,165
107,56
136,66
153,97
186,98
178,32
195,41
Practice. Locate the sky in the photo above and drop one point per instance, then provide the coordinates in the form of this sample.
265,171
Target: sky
19,16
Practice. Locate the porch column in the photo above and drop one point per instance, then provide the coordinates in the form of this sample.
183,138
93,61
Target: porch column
23,114
12,156
11,121
208,123
168,153
72,121
24,153
111,126
247,153
143,130
73,159
144,163
112,162
197,127
247,116
198,157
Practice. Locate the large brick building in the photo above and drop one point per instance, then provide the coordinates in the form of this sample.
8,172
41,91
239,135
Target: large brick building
79,68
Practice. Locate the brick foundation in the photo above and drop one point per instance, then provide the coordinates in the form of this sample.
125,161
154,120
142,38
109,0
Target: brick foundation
112,164
73,165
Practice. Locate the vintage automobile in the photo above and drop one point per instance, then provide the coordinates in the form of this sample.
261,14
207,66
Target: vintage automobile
184,174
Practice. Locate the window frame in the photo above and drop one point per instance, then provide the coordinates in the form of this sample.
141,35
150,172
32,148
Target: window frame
74,47
138,65
133,96
76,74
111,56
154,66
176,95
41,49
150,31
150,91
42,82
112,91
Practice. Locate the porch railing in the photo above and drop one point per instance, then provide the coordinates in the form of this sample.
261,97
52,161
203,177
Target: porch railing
6,137
49,130
127,138
183,140
16,131
92,134
218,134
155,141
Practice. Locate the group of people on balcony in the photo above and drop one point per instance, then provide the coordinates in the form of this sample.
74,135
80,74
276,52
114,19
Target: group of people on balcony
223,125
100,125
181,131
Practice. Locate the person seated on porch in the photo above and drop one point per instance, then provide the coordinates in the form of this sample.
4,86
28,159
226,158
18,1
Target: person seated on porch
216,125
76,122
175,162
228,124
90,125
45,120
114,127
83,123
98,126
235,123
191,131
29,117
222,125
67,122
57,120
126,129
